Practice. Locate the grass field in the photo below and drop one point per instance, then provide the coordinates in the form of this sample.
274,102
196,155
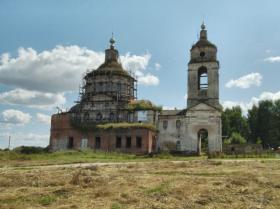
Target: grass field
12,158
136,182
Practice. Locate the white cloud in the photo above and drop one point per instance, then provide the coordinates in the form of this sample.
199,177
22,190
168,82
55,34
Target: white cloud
148,80
59,69
32,98
245,106
135,63
43,118
26,139
186,97
245,81
15,117
272,59
157,66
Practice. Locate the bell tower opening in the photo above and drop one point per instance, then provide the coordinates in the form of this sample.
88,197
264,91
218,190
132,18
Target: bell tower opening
202,78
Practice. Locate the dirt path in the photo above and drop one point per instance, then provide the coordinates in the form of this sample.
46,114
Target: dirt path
85,165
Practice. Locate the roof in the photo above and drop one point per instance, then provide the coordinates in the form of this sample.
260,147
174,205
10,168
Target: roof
170,112
203,43
217,108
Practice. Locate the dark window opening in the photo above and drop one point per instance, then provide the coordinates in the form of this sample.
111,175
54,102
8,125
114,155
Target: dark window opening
202,78
97,142
154,143
178,145
119,86
138,142
118,142
202,54
99,116
178,124
165,124
70,143
112,116
128,142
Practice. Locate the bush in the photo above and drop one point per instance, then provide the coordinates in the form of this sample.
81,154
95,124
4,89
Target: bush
30,150
259,141
236,138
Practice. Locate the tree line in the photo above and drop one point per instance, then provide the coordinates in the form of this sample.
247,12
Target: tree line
261,125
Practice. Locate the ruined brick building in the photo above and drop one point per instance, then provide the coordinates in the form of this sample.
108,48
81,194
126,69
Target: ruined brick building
109,117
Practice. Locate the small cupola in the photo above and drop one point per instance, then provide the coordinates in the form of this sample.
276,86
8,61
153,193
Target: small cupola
203,50
111,54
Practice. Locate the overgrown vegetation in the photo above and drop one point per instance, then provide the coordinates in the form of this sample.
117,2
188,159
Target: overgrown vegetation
235,138
111,126
31,150
260,125
143,105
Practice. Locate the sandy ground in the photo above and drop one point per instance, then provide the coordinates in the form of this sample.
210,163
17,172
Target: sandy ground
159,184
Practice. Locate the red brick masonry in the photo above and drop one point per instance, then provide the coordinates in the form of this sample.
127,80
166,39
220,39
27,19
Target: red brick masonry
130,140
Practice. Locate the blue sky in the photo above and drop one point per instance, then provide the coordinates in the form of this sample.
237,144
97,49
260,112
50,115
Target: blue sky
51,43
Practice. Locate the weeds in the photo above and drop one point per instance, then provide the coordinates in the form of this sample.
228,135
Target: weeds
47,200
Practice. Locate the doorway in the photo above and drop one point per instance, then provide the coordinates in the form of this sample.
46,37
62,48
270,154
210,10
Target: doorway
202,139
70,143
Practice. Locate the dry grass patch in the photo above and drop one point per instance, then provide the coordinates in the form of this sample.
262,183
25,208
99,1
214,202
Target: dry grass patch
191,184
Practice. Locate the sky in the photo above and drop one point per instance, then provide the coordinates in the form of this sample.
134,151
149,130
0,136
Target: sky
47,46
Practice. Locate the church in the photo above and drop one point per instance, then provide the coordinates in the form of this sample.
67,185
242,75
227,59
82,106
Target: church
198,127
109,117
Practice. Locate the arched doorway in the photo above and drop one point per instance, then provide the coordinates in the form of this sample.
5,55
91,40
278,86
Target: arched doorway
202,140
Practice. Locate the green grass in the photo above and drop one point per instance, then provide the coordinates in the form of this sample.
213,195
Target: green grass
13,158
116,205
47,200
159,189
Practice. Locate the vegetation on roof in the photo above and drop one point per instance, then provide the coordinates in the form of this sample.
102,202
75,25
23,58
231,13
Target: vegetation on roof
111,126
111,70
143,105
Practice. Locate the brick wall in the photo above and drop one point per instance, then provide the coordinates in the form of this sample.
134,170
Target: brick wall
62,134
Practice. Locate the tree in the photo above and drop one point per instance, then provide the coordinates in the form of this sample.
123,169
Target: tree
234,121
264,121
253,124
262,126
274,132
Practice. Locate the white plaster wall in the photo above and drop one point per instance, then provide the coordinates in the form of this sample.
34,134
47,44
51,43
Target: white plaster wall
204,119
171,134
199,117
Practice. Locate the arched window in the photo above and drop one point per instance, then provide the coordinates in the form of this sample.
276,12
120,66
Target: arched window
202,78
178,124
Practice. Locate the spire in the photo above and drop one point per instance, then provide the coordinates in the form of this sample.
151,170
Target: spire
203,32
112,42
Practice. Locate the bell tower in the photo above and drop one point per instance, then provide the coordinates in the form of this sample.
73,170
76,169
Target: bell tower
203,73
